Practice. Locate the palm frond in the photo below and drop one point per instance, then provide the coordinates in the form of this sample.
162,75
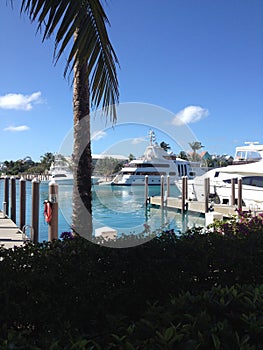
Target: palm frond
86,20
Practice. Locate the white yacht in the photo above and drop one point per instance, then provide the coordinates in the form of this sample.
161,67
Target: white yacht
60,170
154,163
221,187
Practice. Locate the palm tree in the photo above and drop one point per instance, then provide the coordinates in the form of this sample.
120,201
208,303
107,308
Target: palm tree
47,159
131,157
196,145
165,146
91,58
182,155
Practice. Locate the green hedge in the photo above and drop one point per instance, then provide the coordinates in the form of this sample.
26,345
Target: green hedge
59,292
221,318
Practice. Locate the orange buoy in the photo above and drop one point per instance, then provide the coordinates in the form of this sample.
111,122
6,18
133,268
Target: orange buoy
47,211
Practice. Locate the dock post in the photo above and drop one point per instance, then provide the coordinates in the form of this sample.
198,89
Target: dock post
207,190
53,198
22,220
13,198
4,209
35,209
183,194
168,185
162,191
146,193
186,187
239,198
233,196
6,195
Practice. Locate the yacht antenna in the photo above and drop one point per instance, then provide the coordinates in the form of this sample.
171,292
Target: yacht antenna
152,137
251,143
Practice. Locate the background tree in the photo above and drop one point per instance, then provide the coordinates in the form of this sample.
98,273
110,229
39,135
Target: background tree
131,157
165,146
195,146
47,159
27,166
107,166
182,155
81,24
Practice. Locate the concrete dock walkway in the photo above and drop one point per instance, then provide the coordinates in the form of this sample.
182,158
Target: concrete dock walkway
194,206
10,234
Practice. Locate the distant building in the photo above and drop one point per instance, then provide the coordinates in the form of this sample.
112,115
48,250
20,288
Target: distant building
222,160
203,157
115,156
120,158
96,157
27,160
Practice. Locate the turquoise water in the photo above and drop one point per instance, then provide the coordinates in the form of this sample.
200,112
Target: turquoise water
121,208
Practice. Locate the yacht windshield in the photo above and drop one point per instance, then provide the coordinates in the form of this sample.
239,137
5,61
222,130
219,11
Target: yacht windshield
249,180
248,155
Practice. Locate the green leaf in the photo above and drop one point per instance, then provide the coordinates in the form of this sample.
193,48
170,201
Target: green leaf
169,333
216,341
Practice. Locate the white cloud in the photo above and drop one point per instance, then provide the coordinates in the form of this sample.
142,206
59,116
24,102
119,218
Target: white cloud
19,101
190,114
137,140
17,128
97,135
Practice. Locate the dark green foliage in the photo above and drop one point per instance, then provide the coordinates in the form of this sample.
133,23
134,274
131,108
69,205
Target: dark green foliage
221,318
28,166
165,146
75,292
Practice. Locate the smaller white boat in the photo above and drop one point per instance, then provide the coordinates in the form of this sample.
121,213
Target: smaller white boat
60,170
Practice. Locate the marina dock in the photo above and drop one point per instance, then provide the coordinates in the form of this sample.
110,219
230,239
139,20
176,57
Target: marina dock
10,234
206,206
194,206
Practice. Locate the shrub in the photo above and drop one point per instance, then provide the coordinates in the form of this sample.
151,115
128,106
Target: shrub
221,318
240,225
74,291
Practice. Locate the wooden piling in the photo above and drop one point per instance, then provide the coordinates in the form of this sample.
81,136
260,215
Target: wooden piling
168,185
186,187
53,198
146,192
4,209
162,191
239,198
233,195
183,195
6,195
35,210
206,192
22,220
13,198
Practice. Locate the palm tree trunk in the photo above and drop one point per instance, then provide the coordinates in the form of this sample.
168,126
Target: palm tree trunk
82,161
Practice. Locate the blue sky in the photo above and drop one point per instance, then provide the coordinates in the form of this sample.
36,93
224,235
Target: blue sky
194,61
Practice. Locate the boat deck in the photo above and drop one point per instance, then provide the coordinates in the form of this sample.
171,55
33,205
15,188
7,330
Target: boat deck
10,234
